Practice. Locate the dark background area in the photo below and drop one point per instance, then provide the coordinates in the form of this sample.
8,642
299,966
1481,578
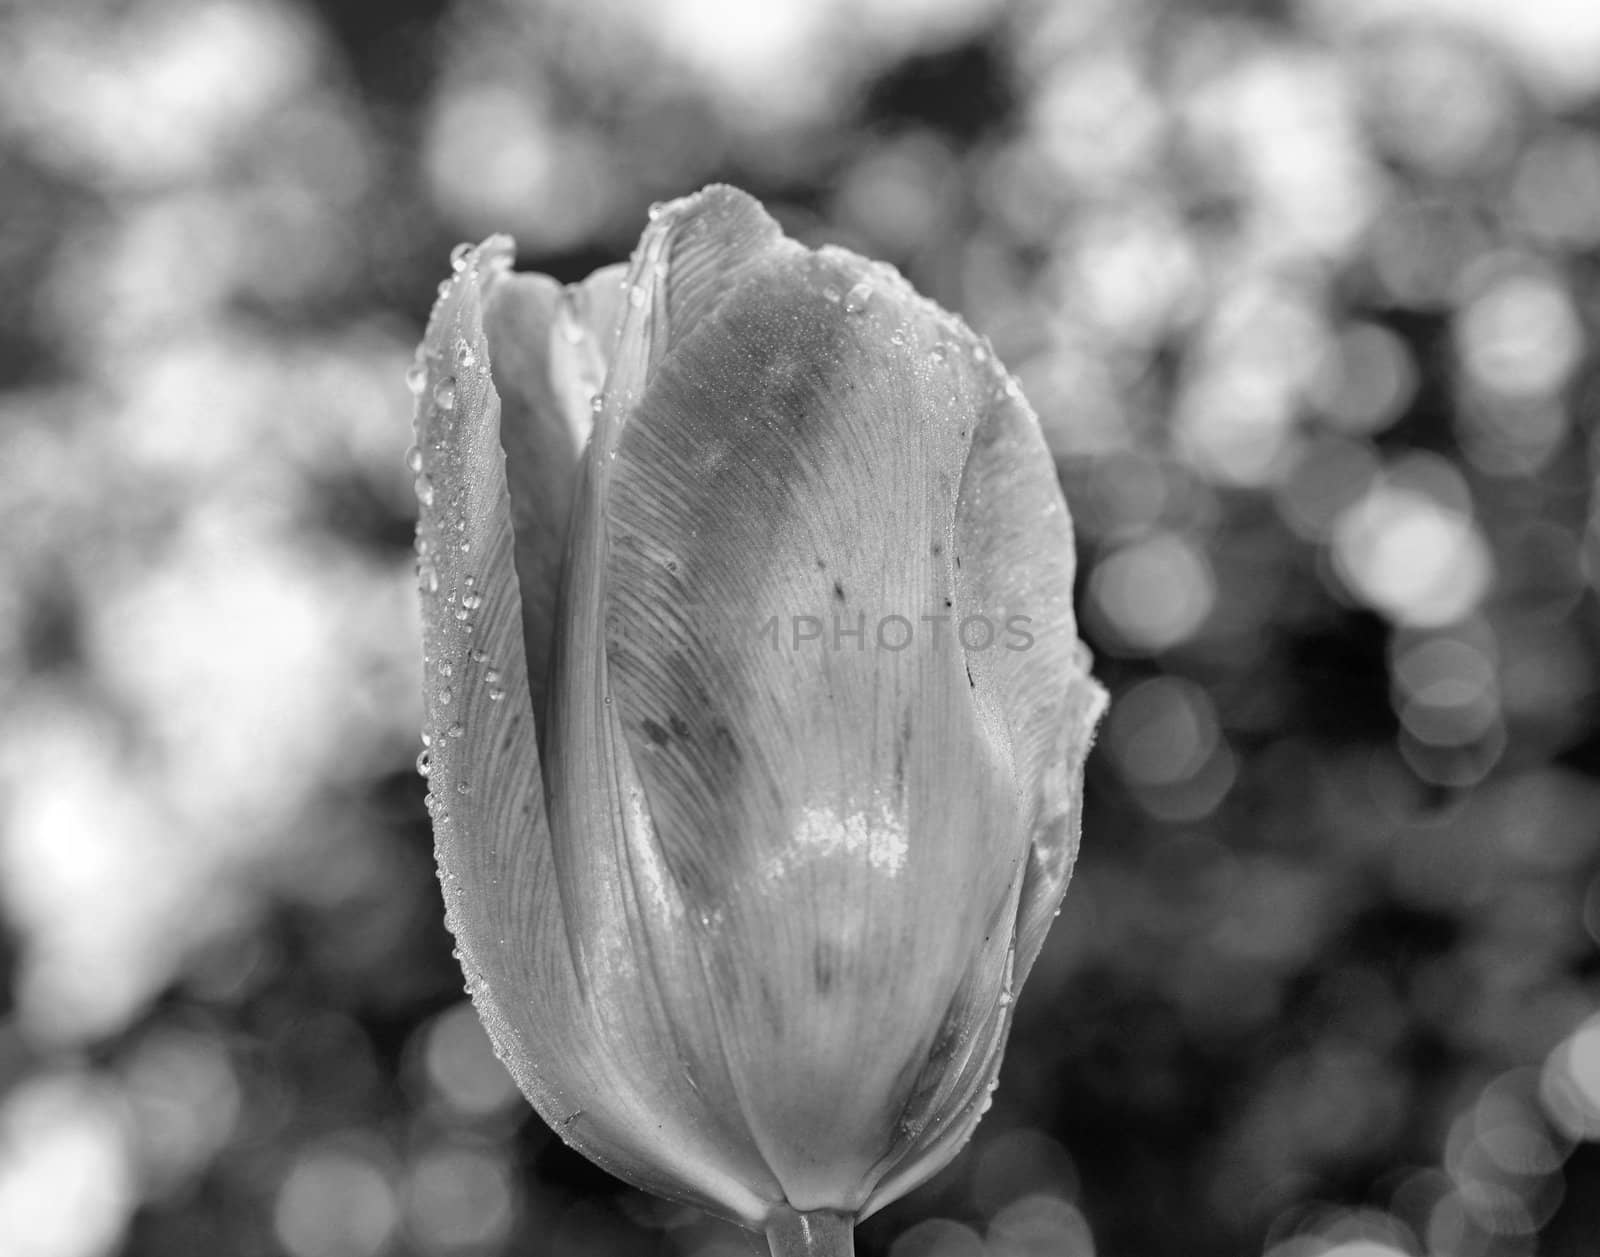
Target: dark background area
1305,297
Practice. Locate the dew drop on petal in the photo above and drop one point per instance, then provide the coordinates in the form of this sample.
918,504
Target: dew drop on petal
428,579
458,256
447,695
456,730
495,695
478,656
444,393
636,296
491,676
465,357
657,208
445,669
444,287
472,601
855,301
832,294
414,459
424,488
417,378
424,762
462,787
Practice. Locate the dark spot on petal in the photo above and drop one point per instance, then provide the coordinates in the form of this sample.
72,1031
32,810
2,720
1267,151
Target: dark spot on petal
823,967
821,563
970,681
769,1007
725,744
838,590
679,725
938,548
655,732
948,603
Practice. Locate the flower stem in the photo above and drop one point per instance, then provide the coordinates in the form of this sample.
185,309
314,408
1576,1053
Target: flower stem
821,1233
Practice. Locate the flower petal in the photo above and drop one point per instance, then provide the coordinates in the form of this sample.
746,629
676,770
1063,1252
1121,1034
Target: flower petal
839,818
592,1059
550,349
1015,538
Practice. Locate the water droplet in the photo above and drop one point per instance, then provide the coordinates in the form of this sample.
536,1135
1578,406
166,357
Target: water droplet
456,730
831,293
444,393
417,378
657,208
445,668
495,695
463,788
458,256
1013,389
898,336
427,738
1005,999
424,488
939,353
855,301
444,287
428,579
463,614
414,458
472,601
447,695
636,296
465,356
424,762
980,354
491,676
478,656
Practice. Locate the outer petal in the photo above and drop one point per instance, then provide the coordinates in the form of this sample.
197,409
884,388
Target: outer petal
1013,537
1018,556
841,824
586,1057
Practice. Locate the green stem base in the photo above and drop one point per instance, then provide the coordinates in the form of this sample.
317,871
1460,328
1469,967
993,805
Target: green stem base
822,1233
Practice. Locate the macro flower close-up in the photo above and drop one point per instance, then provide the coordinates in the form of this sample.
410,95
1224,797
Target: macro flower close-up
743,900
1001,599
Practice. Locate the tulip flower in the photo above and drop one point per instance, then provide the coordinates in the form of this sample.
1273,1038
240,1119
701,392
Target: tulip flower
756,711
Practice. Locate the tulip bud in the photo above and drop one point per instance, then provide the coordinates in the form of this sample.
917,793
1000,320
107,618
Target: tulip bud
756,709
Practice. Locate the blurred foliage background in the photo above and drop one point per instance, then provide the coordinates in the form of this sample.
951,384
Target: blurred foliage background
1306,296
